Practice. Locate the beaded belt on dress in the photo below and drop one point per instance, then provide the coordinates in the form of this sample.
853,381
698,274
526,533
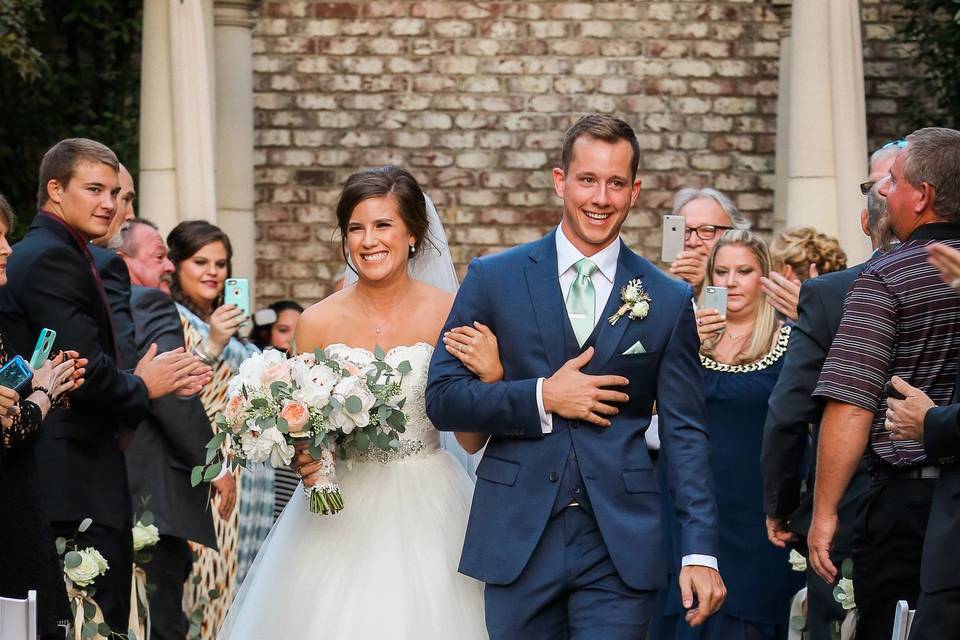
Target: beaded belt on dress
408,449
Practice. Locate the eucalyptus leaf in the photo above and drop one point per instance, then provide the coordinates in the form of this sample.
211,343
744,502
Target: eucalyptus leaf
282,425
89,630
384,412
378,353
89,609
72,560
61,543
404,367
196,476
104,629
266,422
846,569
220,420
217,440
84,525
144,558
212,472
401,402
362,441
259,403
147,518
394,444
211,454
354,405
132,635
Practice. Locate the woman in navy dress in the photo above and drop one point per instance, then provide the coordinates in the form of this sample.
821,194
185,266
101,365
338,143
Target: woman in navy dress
742,355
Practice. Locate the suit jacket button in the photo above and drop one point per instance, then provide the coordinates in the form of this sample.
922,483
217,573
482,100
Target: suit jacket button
553,477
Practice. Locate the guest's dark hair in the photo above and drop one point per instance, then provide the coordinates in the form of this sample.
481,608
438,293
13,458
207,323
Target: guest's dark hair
185,240
61,160
377,183
261,332
600,127
6,213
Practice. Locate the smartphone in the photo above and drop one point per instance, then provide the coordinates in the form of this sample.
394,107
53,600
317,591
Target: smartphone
15,374
715,298
237,292
42,351
674,230
891,392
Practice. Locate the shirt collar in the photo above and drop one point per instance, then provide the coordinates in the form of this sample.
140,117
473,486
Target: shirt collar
568,255
935,231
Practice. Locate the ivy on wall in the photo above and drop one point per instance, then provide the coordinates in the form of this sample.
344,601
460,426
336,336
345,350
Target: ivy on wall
67,68
935,27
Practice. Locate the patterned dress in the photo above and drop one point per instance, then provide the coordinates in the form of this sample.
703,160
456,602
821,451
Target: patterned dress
240,536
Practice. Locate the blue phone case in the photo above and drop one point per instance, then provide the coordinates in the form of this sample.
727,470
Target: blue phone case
237,292
42,351
15,374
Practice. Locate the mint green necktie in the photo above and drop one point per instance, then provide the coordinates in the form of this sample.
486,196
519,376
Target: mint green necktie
581,301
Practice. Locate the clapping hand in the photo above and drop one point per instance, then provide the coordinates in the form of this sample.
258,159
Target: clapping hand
476,347
61,374
783,291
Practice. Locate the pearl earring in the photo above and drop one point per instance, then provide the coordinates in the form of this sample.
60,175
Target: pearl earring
413,249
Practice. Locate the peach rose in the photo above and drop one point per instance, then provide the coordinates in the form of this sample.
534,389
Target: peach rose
296,414
236,406
278,372
351,368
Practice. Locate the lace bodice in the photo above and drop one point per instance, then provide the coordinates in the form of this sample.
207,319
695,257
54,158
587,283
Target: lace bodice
420,438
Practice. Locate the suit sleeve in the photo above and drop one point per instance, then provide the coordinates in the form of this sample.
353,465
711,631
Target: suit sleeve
792,406
941,433
684,439
116,284
183,420
457,400
59,299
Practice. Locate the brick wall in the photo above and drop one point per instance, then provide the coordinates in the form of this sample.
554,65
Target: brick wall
474,96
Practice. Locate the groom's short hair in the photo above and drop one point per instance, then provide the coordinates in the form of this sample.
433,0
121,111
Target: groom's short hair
600,127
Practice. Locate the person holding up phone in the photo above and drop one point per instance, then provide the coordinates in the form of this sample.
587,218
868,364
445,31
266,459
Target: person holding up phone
742,349
201,254
707,214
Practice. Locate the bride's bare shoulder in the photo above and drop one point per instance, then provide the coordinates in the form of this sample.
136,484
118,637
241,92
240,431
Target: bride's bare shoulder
318,319
434,299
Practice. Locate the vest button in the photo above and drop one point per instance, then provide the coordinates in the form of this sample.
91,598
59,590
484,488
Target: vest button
553,477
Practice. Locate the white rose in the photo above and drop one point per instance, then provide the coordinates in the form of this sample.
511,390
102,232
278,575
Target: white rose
316,387
346,420
843,593
92,565
144,536
797,561
268,445
640,309
251,368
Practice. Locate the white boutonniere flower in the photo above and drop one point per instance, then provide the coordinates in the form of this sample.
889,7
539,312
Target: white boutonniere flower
635,300
797,561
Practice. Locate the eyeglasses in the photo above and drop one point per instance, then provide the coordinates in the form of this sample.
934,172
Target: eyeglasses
866,186
705,231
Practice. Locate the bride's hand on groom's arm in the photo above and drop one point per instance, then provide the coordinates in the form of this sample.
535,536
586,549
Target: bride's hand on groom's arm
578,396
476,347
707,585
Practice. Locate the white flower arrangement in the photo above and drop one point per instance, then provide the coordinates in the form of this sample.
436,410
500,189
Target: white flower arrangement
797,561
636,302
329,404
85,566
145,535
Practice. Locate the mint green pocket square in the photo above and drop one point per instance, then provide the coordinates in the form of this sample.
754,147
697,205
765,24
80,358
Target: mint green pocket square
636,349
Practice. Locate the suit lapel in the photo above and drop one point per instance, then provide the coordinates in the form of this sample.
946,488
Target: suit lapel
609,336
544,285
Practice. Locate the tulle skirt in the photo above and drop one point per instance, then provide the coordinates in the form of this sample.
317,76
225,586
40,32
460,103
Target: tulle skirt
384,568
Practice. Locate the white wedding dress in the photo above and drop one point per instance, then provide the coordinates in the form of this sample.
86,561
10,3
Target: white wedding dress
385,567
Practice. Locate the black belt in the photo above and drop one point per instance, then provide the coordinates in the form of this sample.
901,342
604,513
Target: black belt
888,472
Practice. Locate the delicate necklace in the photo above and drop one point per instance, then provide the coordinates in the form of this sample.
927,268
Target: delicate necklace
378,327
736,337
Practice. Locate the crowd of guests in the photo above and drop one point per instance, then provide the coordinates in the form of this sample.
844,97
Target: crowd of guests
830,402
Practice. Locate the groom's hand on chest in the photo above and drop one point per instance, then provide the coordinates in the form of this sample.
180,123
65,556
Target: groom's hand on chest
574,395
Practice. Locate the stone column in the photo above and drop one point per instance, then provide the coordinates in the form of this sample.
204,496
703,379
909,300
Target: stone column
826,148
157,182
233,50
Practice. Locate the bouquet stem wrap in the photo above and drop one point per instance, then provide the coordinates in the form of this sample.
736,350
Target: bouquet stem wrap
322,488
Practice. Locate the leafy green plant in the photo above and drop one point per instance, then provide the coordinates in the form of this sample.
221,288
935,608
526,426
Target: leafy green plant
934,25
67,68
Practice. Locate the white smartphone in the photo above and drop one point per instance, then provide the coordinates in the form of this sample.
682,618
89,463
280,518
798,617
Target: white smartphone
715,298
674,228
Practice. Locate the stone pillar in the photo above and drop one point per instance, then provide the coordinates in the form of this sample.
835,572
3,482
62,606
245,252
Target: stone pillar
233,25
826,123
157,182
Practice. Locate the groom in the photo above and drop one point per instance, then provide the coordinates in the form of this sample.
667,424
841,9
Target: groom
565,525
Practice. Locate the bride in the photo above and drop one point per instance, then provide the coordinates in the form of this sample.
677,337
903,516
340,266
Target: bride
386,566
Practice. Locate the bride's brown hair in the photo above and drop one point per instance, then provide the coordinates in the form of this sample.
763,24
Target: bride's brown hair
377,183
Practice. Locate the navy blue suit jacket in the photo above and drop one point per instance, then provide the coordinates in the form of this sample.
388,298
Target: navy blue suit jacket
517,294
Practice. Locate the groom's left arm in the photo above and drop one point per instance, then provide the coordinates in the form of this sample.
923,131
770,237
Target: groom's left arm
685,441
456,399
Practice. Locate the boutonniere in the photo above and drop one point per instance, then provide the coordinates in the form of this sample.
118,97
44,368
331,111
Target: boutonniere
636,301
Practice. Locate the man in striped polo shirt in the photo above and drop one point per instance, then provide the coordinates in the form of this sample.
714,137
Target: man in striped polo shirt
899,319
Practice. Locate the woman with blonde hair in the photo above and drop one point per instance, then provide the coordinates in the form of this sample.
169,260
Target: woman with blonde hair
798,255
742,354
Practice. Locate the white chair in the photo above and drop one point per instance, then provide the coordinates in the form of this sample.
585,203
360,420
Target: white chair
18,618
902,619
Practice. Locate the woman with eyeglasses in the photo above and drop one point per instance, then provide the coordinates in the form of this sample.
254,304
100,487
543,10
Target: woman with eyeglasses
707,214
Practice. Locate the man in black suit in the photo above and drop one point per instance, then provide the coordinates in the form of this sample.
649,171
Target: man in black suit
792,411
915,417
53,283
170,442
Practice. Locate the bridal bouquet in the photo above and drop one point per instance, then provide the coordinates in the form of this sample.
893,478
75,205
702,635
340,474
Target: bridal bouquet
328,405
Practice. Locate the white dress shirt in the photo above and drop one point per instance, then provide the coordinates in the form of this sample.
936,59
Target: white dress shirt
606,260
